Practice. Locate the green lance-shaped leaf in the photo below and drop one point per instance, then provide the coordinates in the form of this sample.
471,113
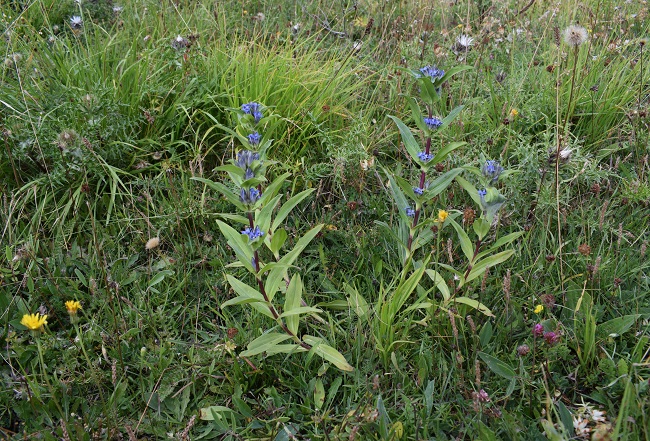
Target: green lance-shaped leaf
159,277
439,184
272,189
446,150
497,366
505,240
406,187
440,283
263,216
276,275
225,191
247,294
285,349
288,206
465,243
264,343
292,302
470,189
242,250
276,242
399,197
479,267
617,326
328,353
417,114
451,116
404,290
480,307
453,71
412,146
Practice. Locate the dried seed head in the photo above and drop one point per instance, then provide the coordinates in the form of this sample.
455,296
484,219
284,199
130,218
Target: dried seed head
575,35
468,216
584,249
152,243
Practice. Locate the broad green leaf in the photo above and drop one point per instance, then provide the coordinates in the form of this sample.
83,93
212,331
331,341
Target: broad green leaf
406,187
276,242
479,267
263,216
416,113
300,310
292,303
240,300
617,326
565,417
249,292
404,290
286,208
439,184
319,394
470,189
240,247
159,277
225,191
356,301
451,116
412,146
497,366
499,243
443,152
276,275
480,307
465,243
272,189
264,343
440,283
207,413
453,71
328,353
285,349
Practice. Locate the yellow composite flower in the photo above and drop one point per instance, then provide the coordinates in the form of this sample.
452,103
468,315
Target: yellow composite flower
34,322
442,216
72,306
538,309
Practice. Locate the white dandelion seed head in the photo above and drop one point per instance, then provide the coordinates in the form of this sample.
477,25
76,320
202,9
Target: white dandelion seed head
575,35
152,243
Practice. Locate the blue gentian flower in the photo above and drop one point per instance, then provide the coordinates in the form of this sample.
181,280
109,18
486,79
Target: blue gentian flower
425,157
245,158
249,196
492,170
254,109
433,123
418,191
249,174
253,233
254,138
432,72
481,194
410,212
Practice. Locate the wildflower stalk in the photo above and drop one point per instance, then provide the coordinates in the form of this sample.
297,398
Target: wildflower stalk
423,177
47,381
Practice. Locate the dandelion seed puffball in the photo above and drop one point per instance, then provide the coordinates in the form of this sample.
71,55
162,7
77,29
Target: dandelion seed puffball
152,243
575,35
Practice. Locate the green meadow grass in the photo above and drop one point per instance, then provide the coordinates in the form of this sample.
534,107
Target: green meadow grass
105,126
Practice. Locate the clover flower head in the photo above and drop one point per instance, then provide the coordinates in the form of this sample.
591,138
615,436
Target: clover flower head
551,338
538,330
432,72
254,138
409,212
425,157
523,350
249,196
34,322
418,191
253,233
492,170
245,159
76,22
433,123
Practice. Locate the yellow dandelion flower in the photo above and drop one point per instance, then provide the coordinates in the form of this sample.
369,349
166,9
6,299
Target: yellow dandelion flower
442,216
34,322
72,306
514,113
539,309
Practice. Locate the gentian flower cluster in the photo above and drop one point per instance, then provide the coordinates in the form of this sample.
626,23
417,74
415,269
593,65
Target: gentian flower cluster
254,109
432,72
253,233
492,170
433,123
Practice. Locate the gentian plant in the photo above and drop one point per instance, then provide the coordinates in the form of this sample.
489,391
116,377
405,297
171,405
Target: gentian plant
258,244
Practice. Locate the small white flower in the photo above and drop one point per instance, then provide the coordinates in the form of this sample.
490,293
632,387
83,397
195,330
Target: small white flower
566,153
464,42
117,9
76,22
